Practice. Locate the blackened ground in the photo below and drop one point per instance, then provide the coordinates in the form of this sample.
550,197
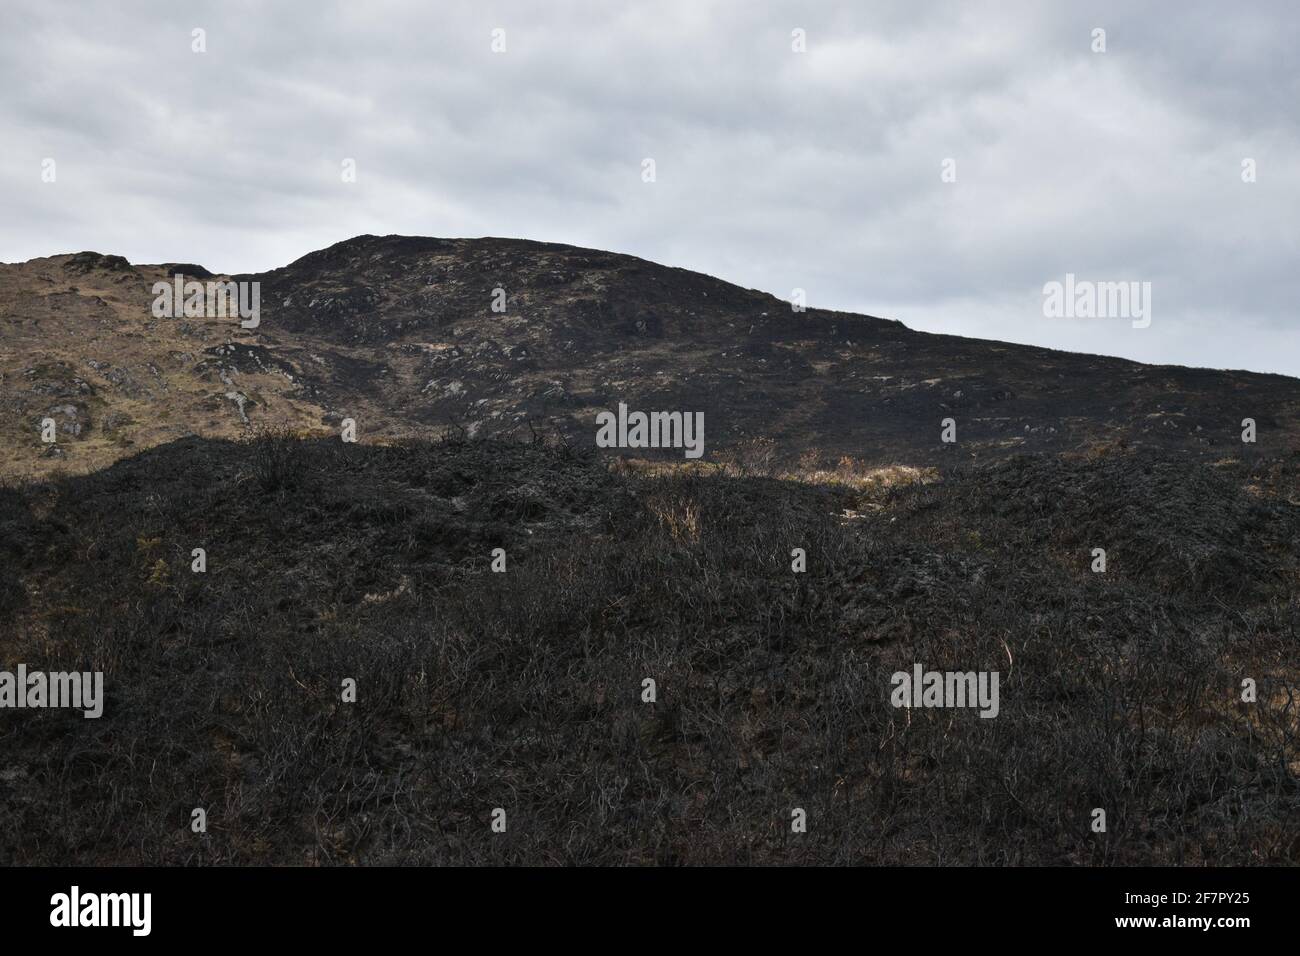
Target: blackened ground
403,335
522,690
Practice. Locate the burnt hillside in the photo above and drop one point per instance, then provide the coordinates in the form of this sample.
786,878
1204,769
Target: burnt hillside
399,334
523,689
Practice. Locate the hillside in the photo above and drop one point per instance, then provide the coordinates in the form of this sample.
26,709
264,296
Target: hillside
398,334
771,591
523,690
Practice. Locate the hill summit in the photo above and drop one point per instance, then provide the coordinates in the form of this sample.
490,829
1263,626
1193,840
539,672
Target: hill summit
410,336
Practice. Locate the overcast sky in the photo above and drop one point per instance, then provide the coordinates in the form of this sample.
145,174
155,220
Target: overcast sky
773,169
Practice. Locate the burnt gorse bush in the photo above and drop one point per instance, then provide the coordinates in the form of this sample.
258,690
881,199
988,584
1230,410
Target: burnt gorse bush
279,458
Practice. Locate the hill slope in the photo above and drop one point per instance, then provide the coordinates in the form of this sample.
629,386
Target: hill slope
399,334
525,689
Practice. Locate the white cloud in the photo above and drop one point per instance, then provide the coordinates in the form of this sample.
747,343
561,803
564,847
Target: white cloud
775,169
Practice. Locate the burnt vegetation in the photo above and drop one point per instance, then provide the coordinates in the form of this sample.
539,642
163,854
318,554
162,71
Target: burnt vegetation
404,334
522,689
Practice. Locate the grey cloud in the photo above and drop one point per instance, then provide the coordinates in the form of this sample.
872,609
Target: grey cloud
775,170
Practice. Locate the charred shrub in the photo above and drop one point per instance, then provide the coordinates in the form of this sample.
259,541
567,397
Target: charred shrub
279,458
